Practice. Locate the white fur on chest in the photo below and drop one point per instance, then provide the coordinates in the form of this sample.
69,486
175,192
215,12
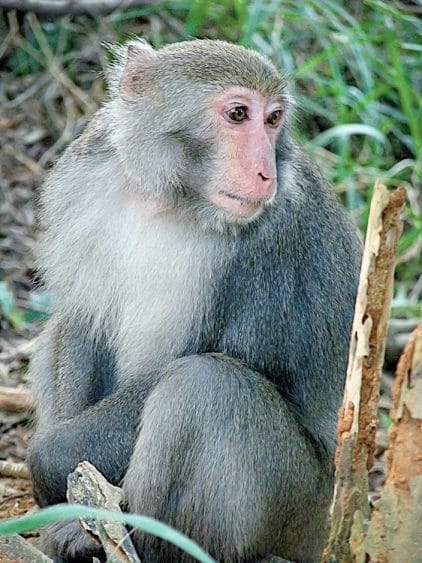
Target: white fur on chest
126,267
163,280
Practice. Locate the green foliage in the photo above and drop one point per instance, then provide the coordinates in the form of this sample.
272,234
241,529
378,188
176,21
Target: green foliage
7,304
68,511
357,74
36,309
29,58
384,418
229,17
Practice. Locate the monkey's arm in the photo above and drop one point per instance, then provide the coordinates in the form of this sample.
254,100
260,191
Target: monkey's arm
63,371
79,416
103,434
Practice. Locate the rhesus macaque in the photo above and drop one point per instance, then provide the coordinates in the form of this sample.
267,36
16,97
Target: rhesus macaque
204,280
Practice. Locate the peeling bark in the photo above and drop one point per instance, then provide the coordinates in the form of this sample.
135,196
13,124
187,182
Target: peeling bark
394,533
358,414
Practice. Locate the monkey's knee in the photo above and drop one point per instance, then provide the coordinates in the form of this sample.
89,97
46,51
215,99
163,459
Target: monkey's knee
207,373
196,460
198,390
221,457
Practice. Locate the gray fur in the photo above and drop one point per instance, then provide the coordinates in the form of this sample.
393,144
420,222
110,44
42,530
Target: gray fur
229,430
197,358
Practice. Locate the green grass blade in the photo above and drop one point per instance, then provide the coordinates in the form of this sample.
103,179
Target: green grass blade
61,512
408,98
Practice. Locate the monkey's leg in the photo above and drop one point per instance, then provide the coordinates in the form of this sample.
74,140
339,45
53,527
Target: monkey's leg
222,458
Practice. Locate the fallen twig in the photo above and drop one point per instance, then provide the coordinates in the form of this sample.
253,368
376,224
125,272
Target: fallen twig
21,352
87,486
10,469
15,399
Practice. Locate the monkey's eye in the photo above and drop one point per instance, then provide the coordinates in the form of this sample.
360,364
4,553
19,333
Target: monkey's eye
237,114
275,117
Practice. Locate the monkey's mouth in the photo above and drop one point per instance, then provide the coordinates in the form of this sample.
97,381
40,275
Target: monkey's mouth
238,205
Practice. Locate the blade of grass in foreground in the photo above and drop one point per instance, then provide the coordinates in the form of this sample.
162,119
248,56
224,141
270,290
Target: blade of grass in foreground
69,511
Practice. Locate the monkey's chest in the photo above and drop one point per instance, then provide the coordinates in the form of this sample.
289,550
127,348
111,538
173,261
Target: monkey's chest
165,291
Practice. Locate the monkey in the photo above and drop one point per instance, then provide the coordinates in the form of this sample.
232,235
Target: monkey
204,279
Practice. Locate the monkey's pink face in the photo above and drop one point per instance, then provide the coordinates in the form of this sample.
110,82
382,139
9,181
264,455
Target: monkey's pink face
248,125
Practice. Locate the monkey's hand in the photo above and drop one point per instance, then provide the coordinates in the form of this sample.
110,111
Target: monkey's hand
68,542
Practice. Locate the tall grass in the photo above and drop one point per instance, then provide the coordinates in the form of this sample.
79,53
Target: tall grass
61,512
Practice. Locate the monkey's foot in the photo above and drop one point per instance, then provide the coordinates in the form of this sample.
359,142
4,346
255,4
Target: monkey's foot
67,542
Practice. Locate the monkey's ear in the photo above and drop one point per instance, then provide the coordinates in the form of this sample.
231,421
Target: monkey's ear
140,56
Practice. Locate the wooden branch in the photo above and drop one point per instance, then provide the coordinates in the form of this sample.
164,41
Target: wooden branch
6,492
10,469
57,8
87,486
394,532
358,414
15,399
18,549
27,348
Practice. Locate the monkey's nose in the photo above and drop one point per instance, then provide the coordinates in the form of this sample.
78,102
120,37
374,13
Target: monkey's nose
265,178
265,185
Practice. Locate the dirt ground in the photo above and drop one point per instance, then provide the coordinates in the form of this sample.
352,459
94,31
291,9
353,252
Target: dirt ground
16,497
15,493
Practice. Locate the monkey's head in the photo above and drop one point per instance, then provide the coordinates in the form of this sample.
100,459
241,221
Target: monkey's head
199,121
